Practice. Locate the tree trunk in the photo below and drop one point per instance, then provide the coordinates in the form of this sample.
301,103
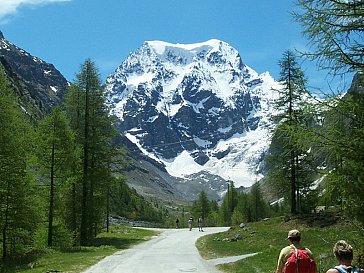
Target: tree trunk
51,199
74,215
108,210
84,209
293,184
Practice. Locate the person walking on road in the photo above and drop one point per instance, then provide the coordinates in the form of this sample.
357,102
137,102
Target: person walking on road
290,254
200,223
190,221
344,255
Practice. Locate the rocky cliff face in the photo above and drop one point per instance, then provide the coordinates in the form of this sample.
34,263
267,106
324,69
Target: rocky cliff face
39,85
197,109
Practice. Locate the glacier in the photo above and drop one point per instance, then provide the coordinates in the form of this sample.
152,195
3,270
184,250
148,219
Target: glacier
195,108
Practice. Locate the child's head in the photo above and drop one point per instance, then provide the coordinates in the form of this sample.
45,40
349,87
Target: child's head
343,251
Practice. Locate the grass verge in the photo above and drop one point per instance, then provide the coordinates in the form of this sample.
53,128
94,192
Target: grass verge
319,234
78,259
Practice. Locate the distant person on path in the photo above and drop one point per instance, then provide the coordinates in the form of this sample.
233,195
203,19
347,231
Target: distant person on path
344,256
290,255
190,221
200,223
177,223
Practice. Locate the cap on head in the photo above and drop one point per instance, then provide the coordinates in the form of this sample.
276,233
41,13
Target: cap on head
294,234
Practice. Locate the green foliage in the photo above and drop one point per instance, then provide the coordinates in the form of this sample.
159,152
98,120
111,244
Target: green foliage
239,207
127,203
267,238
17,199
59,177
335,31
78,259
201,207
343,152
57,154
89,118
291,165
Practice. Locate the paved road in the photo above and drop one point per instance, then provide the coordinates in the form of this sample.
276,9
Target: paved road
172,251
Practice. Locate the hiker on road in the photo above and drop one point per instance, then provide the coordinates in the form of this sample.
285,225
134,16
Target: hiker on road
344,255
200,223
190,221
295,255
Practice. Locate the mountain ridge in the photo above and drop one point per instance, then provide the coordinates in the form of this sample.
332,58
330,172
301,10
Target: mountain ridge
195,106
39,85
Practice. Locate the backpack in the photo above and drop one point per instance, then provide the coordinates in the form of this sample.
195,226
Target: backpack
300,262
343,270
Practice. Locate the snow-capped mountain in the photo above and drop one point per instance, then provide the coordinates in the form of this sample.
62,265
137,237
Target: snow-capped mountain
195,108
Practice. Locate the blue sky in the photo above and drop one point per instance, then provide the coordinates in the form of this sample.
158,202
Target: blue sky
66,32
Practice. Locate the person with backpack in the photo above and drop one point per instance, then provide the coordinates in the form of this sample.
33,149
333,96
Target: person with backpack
344,255
295,258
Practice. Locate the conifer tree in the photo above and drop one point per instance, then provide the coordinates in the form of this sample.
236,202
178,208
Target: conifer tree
335,31
286,151
18,216
228,205
57,154
256,203
201,206
85,104
342,147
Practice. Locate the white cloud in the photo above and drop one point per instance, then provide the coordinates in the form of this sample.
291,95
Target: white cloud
9,7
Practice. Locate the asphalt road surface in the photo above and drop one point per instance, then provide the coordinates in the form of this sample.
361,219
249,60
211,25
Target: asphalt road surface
173,250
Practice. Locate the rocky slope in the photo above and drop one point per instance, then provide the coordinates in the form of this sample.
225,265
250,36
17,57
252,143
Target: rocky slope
39,85
197,110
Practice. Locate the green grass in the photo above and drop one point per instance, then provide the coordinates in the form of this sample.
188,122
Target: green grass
76,260
269,237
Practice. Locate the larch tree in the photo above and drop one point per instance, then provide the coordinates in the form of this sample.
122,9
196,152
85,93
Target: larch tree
285,151
18,216
201,207
56,155
85,105
335,30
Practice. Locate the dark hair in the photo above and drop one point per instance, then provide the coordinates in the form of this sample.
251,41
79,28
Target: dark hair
295,239
343,250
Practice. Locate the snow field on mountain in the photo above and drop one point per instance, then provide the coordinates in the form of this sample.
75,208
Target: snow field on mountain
210,79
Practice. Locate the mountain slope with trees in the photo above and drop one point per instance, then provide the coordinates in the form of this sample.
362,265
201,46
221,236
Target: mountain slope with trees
58,182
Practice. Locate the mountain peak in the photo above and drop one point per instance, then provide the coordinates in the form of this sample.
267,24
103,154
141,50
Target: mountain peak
213,51
194,105
161,46
1,35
